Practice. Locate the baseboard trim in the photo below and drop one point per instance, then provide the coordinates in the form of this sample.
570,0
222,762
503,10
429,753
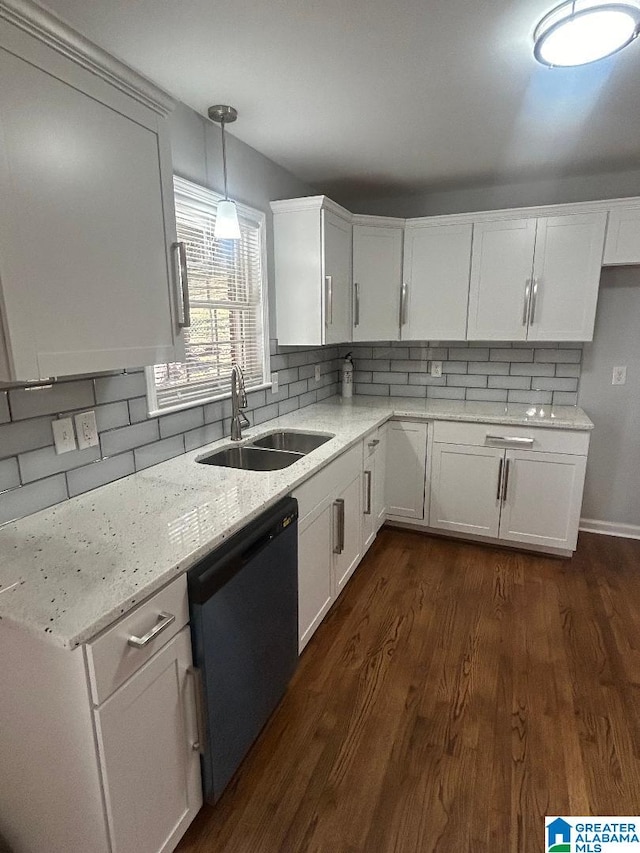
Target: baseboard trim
610,528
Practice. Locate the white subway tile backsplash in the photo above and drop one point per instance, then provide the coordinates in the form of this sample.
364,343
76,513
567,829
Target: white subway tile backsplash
203,435
26,435
568,370
25,500
129,439
9,474
493,368
389,377
568,356
540,398
99,473
455,367
180,422
533,369
468,354
511,355
119,387
112,415
126,438
407,391
564,398
152,454
466,381
489,395
516,383
50,399
138,409
445,393
426,379
37,464
373,388
544,384
4,408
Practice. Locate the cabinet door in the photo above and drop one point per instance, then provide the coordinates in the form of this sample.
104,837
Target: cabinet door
566,277
151,772
369,528
406,469
379,482
337,278
85,222
437,263
347,532
543,498
315,563
465,488
377,271
501,270
622,245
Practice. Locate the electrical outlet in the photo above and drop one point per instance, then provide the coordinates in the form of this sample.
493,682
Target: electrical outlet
86,430
436,368
274,383
64,437
619,376
316,373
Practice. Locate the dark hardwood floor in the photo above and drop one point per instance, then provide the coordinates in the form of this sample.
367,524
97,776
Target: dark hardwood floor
454,696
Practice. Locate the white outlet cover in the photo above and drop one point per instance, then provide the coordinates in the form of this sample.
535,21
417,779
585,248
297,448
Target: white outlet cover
64,437
86,430
436,368
619,375
274,383
317,373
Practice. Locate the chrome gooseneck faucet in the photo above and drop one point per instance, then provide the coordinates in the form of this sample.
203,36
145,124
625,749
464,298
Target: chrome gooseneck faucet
238,403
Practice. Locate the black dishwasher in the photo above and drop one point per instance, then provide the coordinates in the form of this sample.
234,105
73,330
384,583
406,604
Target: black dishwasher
244,623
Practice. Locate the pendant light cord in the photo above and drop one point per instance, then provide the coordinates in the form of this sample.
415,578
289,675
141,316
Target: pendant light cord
224,160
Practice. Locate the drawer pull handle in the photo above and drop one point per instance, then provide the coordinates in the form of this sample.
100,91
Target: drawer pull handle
499,489
164,620
511,439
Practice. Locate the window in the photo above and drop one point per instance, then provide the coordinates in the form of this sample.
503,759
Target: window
227,296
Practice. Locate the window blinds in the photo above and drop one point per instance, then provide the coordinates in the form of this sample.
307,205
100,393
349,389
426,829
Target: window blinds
226,294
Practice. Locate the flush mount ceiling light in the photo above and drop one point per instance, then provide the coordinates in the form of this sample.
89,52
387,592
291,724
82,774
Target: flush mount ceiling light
577,33
227,226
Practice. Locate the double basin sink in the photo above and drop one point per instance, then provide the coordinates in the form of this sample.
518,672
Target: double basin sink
271,452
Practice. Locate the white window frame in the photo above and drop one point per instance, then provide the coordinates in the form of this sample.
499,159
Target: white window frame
206,196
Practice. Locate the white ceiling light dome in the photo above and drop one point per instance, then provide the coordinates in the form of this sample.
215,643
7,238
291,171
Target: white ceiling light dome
577,33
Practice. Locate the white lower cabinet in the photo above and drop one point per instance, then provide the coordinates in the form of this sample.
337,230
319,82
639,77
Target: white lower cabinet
110,761
465,488
147,740
406,469
490,487
329,537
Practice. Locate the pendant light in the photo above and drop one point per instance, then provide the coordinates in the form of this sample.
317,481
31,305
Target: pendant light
227,225
578,32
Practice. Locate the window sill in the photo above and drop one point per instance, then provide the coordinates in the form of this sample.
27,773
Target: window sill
191,404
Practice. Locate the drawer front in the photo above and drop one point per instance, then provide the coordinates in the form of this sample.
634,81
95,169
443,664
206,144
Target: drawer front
329,480
113,659
522,438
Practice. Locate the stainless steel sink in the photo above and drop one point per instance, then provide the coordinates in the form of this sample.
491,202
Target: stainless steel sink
251,458
296,442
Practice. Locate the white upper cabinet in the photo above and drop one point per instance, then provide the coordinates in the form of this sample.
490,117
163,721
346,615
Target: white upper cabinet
377,271
566,276
536,279
312,244
501,270
622,245
437,260
86,221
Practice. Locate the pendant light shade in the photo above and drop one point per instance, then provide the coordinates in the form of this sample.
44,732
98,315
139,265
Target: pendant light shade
227,226
582,31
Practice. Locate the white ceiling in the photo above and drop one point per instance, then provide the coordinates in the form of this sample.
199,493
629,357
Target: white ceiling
371,97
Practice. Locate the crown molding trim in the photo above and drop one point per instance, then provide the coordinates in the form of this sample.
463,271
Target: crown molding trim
50,30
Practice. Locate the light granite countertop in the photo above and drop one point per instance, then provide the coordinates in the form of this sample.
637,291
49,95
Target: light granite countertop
72,570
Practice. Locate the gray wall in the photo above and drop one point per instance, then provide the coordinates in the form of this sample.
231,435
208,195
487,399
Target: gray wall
612,491
471,198
253,179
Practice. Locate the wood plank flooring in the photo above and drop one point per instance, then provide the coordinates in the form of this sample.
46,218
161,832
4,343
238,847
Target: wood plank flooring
454,696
